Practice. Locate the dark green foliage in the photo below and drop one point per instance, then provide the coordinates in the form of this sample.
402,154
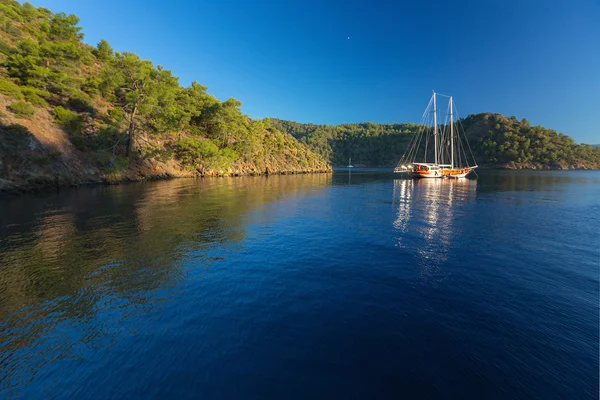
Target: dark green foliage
368,144
22,109
124,99
495,140
129,105
68,120
45,160
80,102
13,137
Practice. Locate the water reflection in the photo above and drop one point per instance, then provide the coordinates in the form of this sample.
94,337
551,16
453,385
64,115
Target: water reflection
73,260
427,209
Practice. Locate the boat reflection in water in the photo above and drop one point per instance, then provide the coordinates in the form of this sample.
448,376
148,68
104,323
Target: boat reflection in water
426,221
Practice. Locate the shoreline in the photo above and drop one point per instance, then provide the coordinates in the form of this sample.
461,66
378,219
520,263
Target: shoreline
44,185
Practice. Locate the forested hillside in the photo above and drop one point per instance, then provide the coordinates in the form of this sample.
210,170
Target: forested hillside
72,113
496,140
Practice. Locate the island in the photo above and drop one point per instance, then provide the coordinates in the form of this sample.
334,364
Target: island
73,114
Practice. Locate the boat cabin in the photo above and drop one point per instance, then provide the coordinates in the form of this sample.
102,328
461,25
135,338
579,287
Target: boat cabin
426,167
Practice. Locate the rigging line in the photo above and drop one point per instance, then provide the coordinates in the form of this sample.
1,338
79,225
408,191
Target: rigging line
446,133
464,153
415,141
426,146
465,134
409,146
415,150
410,152
427,108
422,131
427,136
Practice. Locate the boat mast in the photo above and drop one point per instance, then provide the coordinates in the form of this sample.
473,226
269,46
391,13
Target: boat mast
451,136
435,144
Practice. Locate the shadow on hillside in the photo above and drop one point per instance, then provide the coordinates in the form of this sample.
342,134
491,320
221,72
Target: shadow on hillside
21,152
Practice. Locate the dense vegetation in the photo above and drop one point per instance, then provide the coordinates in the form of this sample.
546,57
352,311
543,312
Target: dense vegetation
496,141
367,144
119,109
122,116
499,140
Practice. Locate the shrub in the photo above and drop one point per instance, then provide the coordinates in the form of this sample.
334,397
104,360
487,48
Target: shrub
192,150
68,120
91,85
106,138
116,114
35,96
12,30
5,48
229,154
103,51
108,162
42,161
79,142
10,89
22,109
36,100
80,103
14,137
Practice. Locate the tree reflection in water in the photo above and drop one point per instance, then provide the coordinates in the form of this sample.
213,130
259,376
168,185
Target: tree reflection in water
73,260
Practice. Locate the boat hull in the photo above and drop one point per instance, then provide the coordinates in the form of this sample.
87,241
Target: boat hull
456,173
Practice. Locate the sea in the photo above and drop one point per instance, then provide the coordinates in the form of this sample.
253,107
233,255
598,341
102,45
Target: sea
359,284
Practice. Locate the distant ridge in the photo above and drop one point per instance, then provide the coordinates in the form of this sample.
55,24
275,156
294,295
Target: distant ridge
497,141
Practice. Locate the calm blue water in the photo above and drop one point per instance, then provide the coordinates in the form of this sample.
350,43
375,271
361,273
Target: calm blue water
296,287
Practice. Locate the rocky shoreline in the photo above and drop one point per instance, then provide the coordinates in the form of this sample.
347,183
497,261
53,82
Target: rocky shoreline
47,183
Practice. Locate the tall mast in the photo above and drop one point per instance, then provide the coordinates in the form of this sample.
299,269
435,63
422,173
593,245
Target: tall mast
451,136
435,144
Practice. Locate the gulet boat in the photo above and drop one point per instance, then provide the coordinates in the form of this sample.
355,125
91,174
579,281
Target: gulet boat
437,150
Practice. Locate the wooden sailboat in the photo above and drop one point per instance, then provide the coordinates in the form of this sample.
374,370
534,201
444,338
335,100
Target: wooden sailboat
446,157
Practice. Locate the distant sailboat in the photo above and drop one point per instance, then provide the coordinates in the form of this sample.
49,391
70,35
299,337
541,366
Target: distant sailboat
448,158
350,163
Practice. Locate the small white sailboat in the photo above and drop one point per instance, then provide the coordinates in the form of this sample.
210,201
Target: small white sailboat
350,163
446,157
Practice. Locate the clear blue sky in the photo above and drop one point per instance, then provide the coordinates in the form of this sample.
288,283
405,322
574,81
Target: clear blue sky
293,60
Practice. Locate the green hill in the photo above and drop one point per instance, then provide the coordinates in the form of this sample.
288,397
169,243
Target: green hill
71,113
497,141
74,113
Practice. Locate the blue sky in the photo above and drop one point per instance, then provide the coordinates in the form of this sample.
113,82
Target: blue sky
293,60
